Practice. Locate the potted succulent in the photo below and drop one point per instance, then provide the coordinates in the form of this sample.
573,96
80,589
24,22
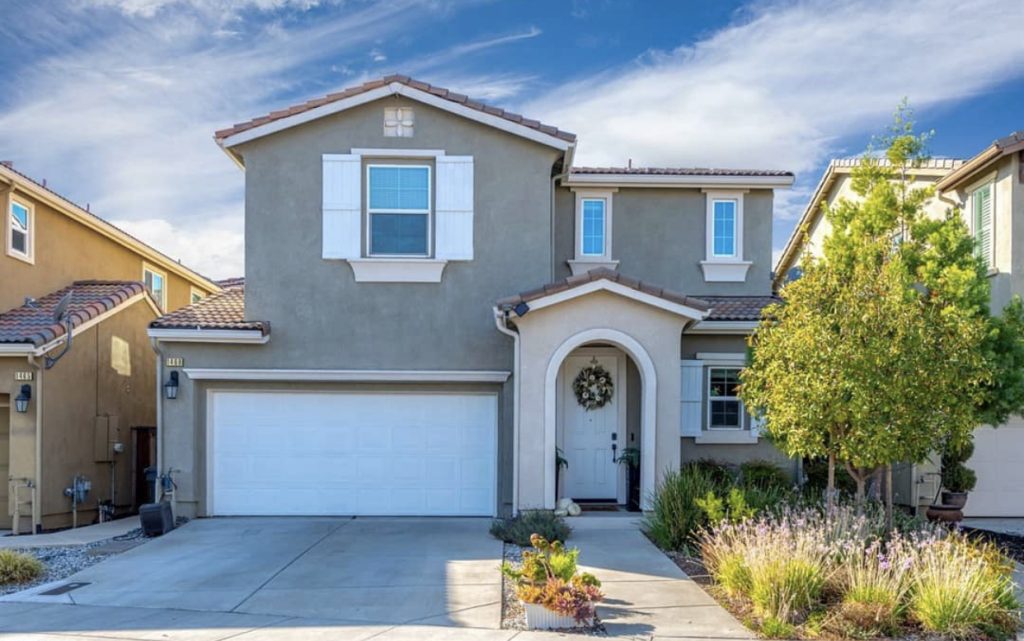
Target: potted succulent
553,593
957,478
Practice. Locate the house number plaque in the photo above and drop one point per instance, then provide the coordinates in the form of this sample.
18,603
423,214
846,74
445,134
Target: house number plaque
175,362
23,376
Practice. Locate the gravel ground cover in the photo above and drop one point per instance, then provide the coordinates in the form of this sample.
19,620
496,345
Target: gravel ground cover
62,561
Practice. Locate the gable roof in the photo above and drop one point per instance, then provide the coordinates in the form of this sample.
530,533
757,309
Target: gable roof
387,86
224,310
608,279
62,204
999,148
32,324
837,167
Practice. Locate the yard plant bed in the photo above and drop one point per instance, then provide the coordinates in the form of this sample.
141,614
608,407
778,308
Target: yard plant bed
513,615
1010,545
61,561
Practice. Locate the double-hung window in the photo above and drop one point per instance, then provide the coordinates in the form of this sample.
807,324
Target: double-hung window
398,211
156,284
982,222
723,229
592,236
19,231
725,409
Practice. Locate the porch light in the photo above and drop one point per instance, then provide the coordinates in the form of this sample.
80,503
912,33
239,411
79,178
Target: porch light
21,401
171,386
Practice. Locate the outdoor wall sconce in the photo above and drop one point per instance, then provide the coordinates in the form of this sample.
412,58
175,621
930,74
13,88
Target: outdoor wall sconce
21,401
171,387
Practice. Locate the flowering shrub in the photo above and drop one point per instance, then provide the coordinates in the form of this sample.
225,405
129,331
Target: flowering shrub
788,565
548,577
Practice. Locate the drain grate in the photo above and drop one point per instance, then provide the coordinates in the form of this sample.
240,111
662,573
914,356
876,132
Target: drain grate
64,589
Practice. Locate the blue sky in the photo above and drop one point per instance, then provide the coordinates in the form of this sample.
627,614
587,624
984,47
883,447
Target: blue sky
114,101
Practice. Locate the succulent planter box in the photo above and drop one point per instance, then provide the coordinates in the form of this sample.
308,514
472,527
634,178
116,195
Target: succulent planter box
540,618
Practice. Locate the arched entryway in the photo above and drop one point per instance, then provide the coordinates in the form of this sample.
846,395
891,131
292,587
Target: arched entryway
603,343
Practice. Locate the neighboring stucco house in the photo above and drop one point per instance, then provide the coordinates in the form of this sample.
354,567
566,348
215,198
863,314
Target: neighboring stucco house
91,413
426,279
988,191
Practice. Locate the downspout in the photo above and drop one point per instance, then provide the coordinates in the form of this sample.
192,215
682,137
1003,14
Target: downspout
37,495
554,179
158,484
501,322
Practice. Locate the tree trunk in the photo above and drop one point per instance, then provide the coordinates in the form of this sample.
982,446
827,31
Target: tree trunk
861,477
830,490
888,497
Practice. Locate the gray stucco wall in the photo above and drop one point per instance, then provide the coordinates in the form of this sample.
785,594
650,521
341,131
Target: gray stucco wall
322,318
659,235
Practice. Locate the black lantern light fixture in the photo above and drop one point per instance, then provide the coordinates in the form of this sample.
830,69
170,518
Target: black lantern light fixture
21,401
171,387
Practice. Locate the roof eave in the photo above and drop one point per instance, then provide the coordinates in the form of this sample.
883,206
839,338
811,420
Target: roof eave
690,182
200,335
798,237
974,166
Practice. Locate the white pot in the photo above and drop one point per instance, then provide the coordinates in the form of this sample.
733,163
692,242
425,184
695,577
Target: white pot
540,618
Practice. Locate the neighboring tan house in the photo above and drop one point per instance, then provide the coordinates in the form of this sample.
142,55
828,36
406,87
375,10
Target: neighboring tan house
91,412
426,278
988,191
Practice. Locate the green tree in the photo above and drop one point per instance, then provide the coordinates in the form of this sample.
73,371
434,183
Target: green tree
885,350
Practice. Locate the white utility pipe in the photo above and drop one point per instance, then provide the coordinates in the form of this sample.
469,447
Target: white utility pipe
501,322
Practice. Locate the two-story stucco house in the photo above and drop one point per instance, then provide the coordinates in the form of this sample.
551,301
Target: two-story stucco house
988,189
437,301
86,409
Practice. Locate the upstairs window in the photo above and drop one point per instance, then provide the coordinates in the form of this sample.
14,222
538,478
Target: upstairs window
725,409
156,284
982,223
593,233
20,231
398,210
723,242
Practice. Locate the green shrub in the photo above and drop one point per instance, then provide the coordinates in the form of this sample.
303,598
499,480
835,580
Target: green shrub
520,528
733,508
675,515
720,474
816,473
957,477
16,567
763,475
775,628
733,575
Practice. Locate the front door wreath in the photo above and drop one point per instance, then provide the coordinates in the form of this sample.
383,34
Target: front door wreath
593,386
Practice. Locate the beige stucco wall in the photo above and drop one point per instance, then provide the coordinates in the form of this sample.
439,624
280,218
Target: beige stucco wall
66,251
545,330
79,388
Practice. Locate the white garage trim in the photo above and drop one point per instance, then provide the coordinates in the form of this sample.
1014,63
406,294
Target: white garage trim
451,496
349,375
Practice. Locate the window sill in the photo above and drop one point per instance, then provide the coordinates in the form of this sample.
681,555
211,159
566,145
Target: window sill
397,270
22,257
584,265
726,437
725,271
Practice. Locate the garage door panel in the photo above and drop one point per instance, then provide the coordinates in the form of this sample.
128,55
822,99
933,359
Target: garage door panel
998,461
353,453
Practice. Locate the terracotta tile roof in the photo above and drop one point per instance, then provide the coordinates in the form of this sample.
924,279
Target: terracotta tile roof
33,323
602,274
223,310
441,92
234,281
678,171
1011,140
738,308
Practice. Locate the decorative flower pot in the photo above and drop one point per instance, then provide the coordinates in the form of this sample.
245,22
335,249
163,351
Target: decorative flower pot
955,499
540,618
944,513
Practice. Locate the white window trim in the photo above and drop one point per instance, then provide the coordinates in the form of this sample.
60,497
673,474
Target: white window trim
724,268
990,183
707,393
582,263
195,295
146,267
30,239
429,212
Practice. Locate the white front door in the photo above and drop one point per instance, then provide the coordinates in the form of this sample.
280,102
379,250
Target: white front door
351,453
588,435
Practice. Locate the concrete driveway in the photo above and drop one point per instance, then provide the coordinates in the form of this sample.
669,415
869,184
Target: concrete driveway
372,570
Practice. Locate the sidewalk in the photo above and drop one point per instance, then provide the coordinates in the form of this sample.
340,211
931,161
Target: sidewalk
78,536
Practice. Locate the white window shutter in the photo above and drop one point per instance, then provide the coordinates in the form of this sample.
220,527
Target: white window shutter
982,204
692,397
342,206
454,205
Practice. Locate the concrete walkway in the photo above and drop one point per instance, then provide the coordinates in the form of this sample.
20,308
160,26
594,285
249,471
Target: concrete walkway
349,580
78,536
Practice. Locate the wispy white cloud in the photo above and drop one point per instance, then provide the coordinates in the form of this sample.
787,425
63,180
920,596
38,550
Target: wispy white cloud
149,8
780,85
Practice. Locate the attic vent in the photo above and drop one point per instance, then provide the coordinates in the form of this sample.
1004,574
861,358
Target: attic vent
398,122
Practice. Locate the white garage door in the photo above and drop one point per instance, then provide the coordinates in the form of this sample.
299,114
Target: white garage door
999,462
276,453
